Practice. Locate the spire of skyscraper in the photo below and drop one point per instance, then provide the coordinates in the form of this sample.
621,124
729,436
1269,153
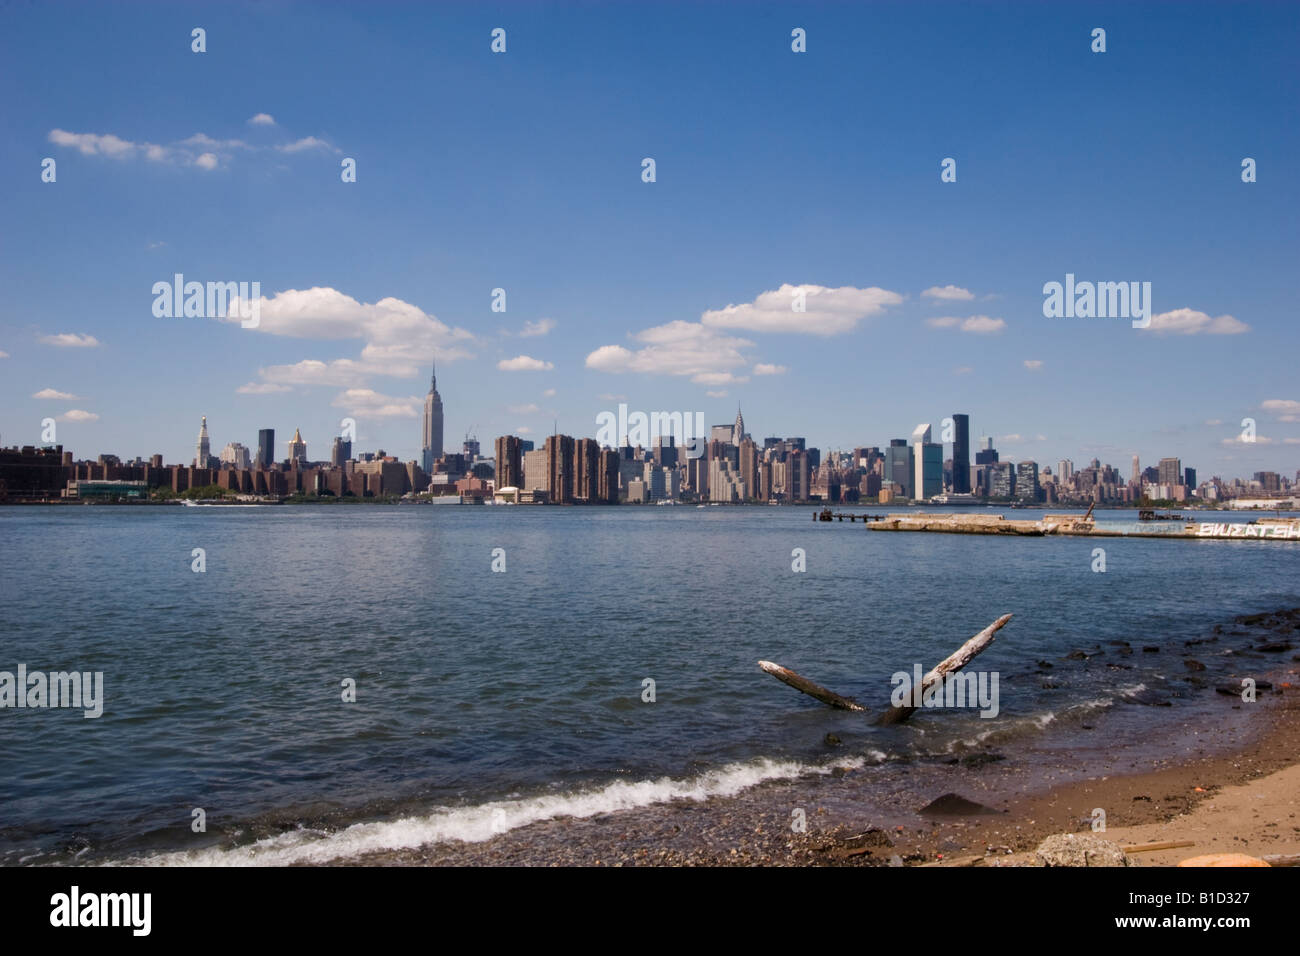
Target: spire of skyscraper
738,431
204,449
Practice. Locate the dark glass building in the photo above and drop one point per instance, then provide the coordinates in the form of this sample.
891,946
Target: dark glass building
961,454
266,447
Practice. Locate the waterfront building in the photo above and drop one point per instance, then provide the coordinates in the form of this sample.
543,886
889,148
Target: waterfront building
1002,479
748,455
898,467
927,460
724,482
586,456
1027,488
509,467
607,474
797,474
559,467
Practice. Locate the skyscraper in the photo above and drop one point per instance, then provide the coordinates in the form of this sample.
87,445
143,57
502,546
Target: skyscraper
1027,487
1171,471
509,450
265,447
297,447
927,459
586,455
234,454
559,468
738,430
340,451
898,467
432,424
961,454
204,450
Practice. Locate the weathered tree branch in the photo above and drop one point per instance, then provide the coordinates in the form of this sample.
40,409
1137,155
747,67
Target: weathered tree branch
894,715
788,676
949,665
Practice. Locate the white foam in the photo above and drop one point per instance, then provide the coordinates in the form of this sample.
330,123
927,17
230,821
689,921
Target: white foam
484,821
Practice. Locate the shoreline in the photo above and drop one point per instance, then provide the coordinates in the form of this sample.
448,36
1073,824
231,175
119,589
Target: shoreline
1226,786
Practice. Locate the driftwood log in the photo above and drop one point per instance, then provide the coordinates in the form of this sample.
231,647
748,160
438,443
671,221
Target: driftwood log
893,715
787,676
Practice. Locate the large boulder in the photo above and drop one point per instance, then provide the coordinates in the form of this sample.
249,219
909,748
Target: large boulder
1080,849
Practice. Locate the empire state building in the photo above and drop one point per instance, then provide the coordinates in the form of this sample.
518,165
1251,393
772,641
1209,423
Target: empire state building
432,424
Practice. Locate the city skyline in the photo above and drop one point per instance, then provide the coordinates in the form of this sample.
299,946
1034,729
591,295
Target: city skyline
551,283
957,424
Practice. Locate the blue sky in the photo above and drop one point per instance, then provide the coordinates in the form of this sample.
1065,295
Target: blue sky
523,171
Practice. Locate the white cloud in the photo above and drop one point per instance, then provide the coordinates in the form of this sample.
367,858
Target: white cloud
766,368
951,293
199,150
540,327
71,340
529,409
400,338
524,363
204,141
677,348
371,404
1191,322
718,394
1017,439
97,144
51,393
608,397
962,370
4,355
307,142
261,388
1285,409
976,324
827,311
1033,364
156,245
523,430
78,415
1239,440
549,393
1215,421
719,378
314,372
